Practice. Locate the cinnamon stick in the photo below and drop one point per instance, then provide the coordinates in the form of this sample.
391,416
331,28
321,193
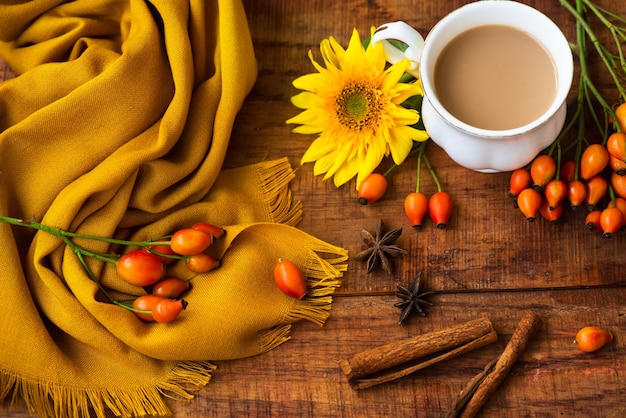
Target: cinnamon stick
364,383
397,359
480,388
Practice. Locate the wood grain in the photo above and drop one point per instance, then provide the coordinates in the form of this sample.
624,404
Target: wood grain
488,262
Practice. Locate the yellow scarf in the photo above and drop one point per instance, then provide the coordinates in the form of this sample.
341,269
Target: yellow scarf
117,125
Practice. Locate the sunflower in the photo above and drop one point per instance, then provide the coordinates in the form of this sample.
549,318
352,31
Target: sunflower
354,103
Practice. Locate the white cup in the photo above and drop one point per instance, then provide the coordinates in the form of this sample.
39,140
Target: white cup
490,150
479,149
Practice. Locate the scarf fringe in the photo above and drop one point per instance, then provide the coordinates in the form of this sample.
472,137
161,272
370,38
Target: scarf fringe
274,177
323,274
47,399
332,265
185,377
325,266
274,337
314,309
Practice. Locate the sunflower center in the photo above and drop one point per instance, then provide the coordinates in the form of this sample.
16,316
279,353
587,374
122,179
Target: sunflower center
358,106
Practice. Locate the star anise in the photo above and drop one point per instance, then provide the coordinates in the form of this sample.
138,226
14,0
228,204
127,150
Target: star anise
411,299
380,247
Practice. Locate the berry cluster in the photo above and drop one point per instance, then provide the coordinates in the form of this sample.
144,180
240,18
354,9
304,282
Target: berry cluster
146,266
416,204
597,181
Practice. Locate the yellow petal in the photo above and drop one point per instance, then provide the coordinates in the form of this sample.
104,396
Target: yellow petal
307,129
306,100
309,124
404,91
323,165
310,82
346,172
317,66
337,160
375,59
313,116
403,116
317,150
393,73
369,163
400,145
332,52
416,134
355,43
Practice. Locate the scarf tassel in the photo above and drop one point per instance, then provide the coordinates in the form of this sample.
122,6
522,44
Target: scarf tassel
52,400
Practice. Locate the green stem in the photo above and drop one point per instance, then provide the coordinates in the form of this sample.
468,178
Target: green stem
594,115
390,169
62,233
419,167
432,173
172,256
579,15
615,31
612,195
80,253
583,29
612,15
579,116
558,162
579,144
581,38
584,86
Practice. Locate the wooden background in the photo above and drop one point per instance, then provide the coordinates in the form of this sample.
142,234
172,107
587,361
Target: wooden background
489,261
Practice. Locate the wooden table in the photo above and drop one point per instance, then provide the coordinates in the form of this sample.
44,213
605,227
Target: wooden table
488,262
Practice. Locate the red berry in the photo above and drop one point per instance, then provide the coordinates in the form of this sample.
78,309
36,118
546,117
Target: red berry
140,268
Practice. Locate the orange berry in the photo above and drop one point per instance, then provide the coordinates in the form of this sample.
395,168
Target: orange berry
440,209
529,202
592,221
620,114
595,157
542,170
520,179
590,339
619,203
619,184
611,221
616,145
617,165
416,207
568,171
372,188
576,193
555,191
213,230
202,263
551,214
290,279
596,189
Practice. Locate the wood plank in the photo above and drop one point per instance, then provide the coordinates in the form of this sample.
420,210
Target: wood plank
302,378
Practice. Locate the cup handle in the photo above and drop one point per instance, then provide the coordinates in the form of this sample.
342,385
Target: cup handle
401,31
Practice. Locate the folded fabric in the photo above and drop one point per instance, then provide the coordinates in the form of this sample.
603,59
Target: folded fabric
117,125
